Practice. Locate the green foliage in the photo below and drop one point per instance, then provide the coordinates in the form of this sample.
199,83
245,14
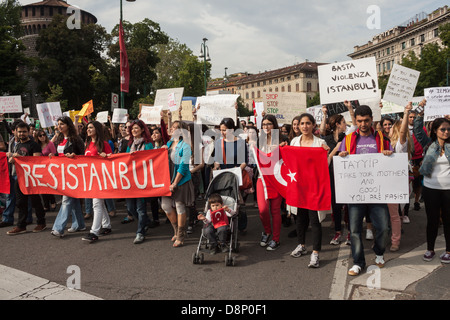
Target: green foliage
315,101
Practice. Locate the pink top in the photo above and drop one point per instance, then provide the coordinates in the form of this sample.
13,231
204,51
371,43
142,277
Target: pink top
49,148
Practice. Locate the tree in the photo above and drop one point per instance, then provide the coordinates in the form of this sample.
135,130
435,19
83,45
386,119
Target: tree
141,41
73,60
12,50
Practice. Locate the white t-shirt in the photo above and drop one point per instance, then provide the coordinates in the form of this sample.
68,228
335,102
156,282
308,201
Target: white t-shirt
440,176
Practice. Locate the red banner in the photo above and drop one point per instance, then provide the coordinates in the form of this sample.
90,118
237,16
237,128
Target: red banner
125,175
4,174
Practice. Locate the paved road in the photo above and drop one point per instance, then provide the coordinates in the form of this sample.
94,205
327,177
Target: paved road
35,266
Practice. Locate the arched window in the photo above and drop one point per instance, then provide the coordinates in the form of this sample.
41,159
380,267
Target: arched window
289,88
276,89
297,87
308,87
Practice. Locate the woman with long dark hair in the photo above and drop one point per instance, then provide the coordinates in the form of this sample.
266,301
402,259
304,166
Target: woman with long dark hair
96,145
436,183
69,144
140,140
40,136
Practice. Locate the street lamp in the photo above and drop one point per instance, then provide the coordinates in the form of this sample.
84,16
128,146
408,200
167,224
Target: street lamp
122,94
204,53
225,80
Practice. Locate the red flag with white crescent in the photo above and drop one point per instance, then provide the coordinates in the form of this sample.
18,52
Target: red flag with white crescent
124,66
273,172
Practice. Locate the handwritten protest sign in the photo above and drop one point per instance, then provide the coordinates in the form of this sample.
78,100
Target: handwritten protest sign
49,113
285,105
316,112
438,103
259,108
336,108
119,115
186,112
372,178
349,80
401,86
214,108
11,104
151,115
162,98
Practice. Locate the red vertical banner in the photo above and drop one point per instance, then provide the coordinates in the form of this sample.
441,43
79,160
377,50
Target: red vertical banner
4,174
124,66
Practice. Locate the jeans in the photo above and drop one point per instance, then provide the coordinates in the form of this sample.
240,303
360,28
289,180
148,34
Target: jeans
89,207
23,204
69,207
210,233
138,208
379,215
8,214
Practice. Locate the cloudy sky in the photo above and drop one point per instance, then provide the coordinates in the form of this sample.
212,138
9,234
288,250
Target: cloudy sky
255,36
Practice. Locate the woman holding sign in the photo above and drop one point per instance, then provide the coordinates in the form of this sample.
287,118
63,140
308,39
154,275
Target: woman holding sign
182,188
96,145
436,183
140,140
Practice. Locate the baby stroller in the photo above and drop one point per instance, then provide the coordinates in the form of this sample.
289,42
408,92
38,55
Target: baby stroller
227,185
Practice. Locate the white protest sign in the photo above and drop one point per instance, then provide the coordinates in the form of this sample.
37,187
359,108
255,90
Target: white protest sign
415,101
49,113
390,107
285,105
438,103
151,115
102,117
186,112
11,104
119,115
401,85
373,103
316,112
162,97
215,108
349,80
259,107
171,102
371,178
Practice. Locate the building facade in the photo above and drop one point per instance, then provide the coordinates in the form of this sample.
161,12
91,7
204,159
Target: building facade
392,45
301,77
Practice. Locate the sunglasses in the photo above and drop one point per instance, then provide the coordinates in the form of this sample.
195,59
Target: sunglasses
41,135
444,129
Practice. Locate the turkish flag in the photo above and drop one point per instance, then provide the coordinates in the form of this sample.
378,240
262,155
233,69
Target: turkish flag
124,66
4,174
273,172
219,218
308,184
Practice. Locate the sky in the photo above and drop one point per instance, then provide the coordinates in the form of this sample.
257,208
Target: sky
256,36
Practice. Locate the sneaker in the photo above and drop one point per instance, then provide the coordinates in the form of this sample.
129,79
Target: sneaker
314,262
354,271
224,247
337,239
406,219
369,234
264,239
416,206
39,228
379,261
16,230
299,251
394,248
428,256
445,257
139,238
273,245
57,234
90,238
72,230
348,242
105,231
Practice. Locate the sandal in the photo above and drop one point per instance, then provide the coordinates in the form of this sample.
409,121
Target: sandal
127,220
177,244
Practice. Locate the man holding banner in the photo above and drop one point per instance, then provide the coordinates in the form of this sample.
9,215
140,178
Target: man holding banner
365,141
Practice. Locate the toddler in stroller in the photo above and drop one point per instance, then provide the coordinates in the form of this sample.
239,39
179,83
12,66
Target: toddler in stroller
216,222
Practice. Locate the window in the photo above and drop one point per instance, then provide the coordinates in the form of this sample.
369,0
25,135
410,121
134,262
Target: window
412,42
42,11
436,32
422,38
253,95
388,65
26,12
297,76
282,89
33,10
247,96
388,51
308,87
289,88
297,87
51,11
403,45
258,95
